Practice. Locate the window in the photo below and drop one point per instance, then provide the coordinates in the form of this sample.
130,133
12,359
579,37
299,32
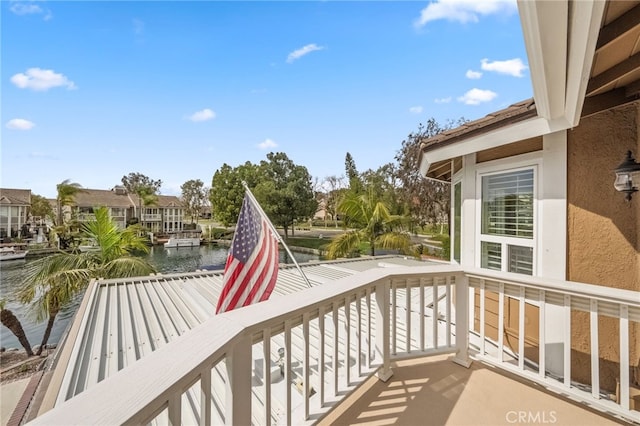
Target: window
507,237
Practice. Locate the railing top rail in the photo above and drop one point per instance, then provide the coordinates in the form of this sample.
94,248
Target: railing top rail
138,390
609,294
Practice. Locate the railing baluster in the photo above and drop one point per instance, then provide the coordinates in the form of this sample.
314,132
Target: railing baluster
287,371
382,329
422,318
370,344
408,316
305,364
359,335
347,340
482,319
175,409
501,322
434,313
321,362
542,335
448,310
567,341
205,397
595,349
335,349
266,362
238,384
624,357
521,329
394,327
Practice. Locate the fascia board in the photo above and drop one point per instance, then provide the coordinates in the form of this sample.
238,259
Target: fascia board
544,27
586,19
531,128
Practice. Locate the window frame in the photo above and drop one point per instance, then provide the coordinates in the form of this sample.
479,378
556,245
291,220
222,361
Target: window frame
529,161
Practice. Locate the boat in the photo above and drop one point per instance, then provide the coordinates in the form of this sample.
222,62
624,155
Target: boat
10,253
189,238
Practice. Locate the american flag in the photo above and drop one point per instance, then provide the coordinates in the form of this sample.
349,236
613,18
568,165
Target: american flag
252,263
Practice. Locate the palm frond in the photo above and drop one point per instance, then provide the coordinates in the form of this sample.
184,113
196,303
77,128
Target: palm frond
395,240
343,244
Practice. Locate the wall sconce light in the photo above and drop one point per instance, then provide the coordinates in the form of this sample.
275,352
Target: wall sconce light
628,176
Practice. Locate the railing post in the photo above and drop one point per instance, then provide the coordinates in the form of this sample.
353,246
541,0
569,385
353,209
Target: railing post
462,321
382,329
238,385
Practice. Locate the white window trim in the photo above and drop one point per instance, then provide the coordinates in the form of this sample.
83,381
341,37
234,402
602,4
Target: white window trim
457,178
531,160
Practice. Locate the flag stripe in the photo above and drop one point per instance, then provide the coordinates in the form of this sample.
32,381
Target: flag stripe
251,270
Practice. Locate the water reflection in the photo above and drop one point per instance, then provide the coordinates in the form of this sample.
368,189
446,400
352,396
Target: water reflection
173,260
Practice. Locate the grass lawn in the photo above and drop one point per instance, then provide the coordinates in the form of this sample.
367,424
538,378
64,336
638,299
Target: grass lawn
314,243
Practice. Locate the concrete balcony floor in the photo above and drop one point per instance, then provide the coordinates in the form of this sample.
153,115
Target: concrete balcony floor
437,391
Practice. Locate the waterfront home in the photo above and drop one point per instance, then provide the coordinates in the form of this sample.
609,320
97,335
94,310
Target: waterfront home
165,215
14,212
541,238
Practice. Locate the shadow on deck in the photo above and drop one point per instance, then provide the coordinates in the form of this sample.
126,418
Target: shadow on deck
440,392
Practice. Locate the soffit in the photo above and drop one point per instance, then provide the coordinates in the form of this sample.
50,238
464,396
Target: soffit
616,62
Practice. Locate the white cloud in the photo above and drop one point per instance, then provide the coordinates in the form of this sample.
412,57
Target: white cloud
29,8
473,75
20,124
477,96
138,26
513,67
416,109
464,11
204,115
41,80
443,100
299,53
267,143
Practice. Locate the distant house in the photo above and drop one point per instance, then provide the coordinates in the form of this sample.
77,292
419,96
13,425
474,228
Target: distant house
163,216
14,211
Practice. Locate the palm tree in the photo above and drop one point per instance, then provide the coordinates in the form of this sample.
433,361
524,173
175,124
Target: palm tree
372,223
10,321
66,196
146,197
54,281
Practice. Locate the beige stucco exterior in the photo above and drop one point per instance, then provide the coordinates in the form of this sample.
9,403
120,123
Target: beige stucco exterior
603,231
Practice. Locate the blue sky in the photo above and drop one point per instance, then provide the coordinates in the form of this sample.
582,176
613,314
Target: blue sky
92,91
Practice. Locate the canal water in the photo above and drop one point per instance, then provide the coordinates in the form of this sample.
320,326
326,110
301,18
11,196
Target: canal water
184,259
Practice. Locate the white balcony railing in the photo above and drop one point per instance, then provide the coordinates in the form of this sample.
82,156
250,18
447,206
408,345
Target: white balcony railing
152,217
329,338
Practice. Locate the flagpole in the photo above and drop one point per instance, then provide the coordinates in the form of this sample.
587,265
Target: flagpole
274,231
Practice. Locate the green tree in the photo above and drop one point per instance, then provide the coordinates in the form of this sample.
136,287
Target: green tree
146,197
371,222
66,193
9,320
41,207
427,200
285,191
227,192
194,195
135,180
355,183
52,282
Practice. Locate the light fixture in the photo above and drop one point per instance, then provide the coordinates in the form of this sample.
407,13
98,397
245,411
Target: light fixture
628,176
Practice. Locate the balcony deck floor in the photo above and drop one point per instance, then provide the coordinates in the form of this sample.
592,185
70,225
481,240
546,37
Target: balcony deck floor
440,392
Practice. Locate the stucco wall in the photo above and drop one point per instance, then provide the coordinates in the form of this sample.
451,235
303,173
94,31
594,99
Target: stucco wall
603,244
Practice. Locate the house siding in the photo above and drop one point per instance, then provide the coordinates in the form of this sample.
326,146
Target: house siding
603,232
